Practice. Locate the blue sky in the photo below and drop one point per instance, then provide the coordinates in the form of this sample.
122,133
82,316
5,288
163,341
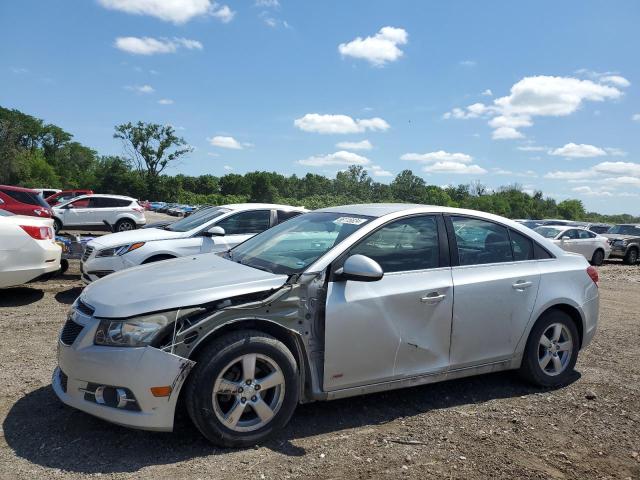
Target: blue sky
543,93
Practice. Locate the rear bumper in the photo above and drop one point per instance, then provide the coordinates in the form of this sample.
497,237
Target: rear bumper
590,312
42,259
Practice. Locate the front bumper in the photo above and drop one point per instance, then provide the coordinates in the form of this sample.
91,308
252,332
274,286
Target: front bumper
93,268
133,369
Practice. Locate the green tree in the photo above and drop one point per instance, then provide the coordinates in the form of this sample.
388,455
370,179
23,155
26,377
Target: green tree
571,210
151,148
407,187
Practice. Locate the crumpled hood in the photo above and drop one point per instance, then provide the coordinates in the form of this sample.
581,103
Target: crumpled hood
183,282
615,236
133,236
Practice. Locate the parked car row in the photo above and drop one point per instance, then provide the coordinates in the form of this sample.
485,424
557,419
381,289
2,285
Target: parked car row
323,305
622,241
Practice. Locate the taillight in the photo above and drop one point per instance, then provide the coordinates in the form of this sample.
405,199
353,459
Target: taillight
138,209
593,274
38,233
41,212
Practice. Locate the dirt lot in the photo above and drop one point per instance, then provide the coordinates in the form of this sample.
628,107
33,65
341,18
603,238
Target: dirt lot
491,426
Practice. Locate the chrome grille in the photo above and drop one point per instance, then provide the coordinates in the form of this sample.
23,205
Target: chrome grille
70,332
87,253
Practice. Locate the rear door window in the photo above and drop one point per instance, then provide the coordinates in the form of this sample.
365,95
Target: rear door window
480,242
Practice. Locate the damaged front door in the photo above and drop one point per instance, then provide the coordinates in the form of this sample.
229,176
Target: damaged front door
398,326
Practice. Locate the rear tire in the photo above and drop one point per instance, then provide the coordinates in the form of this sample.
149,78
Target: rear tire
57,225
125,225
552,350
227,395
631,258
598,258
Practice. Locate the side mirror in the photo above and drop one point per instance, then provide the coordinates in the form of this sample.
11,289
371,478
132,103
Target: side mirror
360,269
565,238
215,231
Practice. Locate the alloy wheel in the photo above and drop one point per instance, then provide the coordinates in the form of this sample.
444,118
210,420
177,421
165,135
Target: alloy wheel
555,349
248,392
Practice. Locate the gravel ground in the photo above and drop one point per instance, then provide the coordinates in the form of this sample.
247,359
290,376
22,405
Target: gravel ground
490,426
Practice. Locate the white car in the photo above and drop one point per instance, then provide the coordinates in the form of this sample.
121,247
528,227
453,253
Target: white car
91,211
595,248
27,249
212,229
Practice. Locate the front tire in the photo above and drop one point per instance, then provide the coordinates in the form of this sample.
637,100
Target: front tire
598,258
552,350
244,388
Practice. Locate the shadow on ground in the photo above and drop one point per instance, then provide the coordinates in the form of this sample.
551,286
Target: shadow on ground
43,431
19,296
68,296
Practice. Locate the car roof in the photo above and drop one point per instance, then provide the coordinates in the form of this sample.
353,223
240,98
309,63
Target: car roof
252,206
18,189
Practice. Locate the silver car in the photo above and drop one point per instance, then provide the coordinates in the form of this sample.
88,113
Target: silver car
334,303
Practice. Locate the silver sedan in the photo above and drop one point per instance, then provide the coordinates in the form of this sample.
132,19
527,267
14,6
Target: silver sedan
334,303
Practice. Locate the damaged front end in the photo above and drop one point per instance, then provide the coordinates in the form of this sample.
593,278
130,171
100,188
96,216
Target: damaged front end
130,371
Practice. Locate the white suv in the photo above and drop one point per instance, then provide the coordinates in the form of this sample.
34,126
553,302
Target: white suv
91,211
210,230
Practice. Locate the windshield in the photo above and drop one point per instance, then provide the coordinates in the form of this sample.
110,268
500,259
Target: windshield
625,230
547,232
197,219
292,246
4,213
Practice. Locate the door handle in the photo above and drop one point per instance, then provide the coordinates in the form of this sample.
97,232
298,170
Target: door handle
522,285
433,297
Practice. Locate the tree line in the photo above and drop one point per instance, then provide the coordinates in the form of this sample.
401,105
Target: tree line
38,154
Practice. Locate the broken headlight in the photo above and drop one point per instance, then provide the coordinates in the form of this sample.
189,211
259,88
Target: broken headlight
139,331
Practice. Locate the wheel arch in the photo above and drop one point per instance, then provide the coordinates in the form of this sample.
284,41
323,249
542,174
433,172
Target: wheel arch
290,338
571,311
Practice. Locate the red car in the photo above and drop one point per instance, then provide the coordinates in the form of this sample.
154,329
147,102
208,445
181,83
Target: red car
24,201
65,195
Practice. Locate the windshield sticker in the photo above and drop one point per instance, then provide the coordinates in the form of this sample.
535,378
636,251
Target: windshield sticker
349,220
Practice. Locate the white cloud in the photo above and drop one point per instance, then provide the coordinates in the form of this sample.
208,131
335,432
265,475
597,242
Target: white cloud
582,150
616,80
267,3
487,93
538,96
228,168
506,133
468,63
152,46
379,49
225,142
501,171
18,70
223,13
319,123
213,154
635,117
363,145
613,171
175,11
165,101
378,171
144,89
590,192
342,157
439,156
454,168
472,111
